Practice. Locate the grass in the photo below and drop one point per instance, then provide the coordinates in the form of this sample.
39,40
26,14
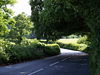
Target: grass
83,44
68,41
71,44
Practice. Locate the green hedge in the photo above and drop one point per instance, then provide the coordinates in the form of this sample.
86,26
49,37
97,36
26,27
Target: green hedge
52,49
20,53
27,50
73,46
83,40
3,56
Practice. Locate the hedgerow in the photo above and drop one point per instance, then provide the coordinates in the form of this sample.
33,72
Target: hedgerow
27,50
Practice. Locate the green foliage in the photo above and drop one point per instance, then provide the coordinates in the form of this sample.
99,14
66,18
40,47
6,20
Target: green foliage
68,41
73,46
27,50
83,40
47,42
90,11
6,2
56,18
20,53
23,27
29,41
4,22
3,56
52,49
72,16
5,17
5,44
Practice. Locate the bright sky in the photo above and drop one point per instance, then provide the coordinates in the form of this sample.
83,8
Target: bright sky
21,6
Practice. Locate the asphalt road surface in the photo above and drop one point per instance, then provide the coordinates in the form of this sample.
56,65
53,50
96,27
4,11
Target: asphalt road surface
67,63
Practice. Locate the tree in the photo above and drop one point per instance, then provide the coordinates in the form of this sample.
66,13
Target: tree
4,3
36,7
56,18
90,11
5,16
71,16
23,27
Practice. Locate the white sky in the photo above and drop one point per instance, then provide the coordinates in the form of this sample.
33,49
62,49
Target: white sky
21,6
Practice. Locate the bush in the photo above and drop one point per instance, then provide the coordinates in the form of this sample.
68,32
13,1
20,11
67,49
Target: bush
18,53
47,42
29,41
4,44
52,49
3,56
90,50
83,40
73,46
67,41
27,50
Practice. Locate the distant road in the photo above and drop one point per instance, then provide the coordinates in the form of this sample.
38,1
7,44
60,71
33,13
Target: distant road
67,63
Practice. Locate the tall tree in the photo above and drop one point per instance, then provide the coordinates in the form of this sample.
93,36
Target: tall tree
90,11
4,3
5,22
70,16
56,18
23,27
36,7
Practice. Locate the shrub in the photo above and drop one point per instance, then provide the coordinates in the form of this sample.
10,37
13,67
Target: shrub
3,56
83,40
27,50
20,53
47,42
29,41
5,44
67,41
35,50
73,46
52,49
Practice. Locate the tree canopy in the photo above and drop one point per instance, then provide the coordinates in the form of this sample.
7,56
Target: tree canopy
56,18
5,16
4,3
64,17
22,27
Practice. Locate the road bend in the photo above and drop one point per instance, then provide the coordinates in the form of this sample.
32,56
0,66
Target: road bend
69,62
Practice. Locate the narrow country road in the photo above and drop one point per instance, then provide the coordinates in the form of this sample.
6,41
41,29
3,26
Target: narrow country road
67,63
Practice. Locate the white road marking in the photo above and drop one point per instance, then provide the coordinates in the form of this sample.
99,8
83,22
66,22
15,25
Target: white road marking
64,59
54,64
36,71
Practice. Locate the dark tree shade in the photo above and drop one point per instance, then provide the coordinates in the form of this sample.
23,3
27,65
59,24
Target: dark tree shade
54,18
64,17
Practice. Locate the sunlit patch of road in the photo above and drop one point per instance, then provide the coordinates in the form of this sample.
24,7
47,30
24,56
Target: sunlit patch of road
72,52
